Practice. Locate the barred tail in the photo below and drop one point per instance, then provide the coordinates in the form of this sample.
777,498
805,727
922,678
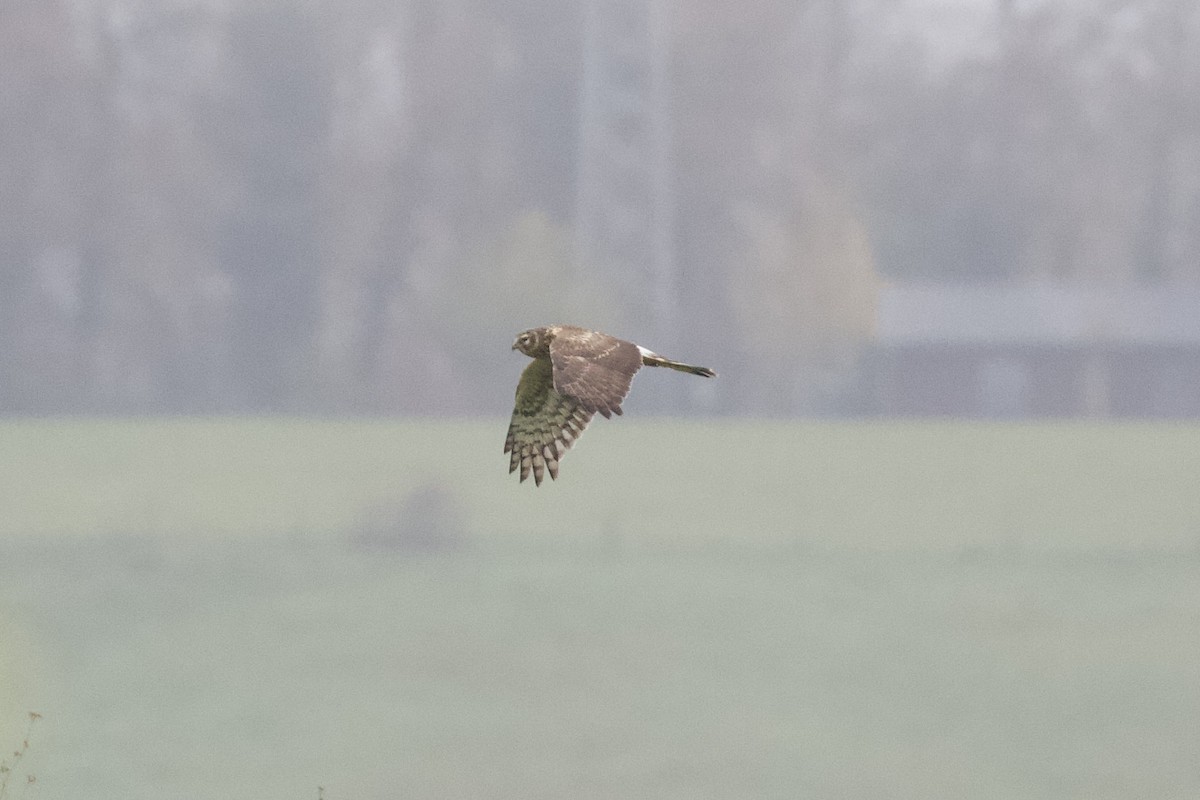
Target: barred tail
655,360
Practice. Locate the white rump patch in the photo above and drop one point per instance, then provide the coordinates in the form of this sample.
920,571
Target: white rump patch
647,353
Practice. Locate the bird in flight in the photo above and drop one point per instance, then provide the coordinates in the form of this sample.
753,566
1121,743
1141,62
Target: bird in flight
575,373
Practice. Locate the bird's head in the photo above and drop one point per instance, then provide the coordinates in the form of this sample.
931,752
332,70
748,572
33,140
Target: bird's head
533,342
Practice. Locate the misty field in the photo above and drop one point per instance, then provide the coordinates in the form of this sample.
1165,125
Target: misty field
873,485
700,609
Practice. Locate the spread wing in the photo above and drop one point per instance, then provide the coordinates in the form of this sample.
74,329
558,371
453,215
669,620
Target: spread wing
594,369
544,423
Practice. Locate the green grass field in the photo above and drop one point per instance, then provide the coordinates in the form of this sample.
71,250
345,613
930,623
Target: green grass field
724,610
879,486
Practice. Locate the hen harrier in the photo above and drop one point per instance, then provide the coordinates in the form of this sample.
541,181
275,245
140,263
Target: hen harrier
575,373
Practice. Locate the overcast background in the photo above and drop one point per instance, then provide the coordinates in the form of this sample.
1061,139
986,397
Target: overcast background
250,250
353,206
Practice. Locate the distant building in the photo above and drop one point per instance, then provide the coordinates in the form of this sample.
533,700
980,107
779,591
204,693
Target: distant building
1036,351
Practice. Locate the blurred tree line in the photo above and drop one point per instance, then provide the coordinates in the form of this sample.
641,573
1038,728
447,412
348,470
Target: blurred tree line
353,206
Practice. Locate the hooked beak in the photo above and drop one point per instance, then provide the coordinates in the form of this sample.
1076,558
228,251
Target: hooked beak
514,347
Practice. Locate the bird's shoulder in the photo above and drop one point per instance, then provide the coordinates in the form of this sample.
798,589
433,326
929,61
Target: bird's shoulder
570,340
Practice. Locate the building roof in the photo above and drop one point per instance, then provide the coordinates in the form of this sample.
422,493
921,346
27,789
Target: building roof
1038,314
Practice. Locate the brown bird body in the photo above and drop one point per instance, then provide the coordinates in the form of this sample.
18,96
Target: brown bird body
576,373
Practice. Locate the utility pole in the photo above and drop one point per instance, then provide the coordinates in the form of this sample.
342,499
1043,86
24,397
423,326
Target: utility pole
625,196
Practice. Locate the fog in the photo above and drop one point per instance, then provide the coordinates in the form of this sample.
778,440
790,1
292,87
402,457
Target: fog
353,207
932,532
